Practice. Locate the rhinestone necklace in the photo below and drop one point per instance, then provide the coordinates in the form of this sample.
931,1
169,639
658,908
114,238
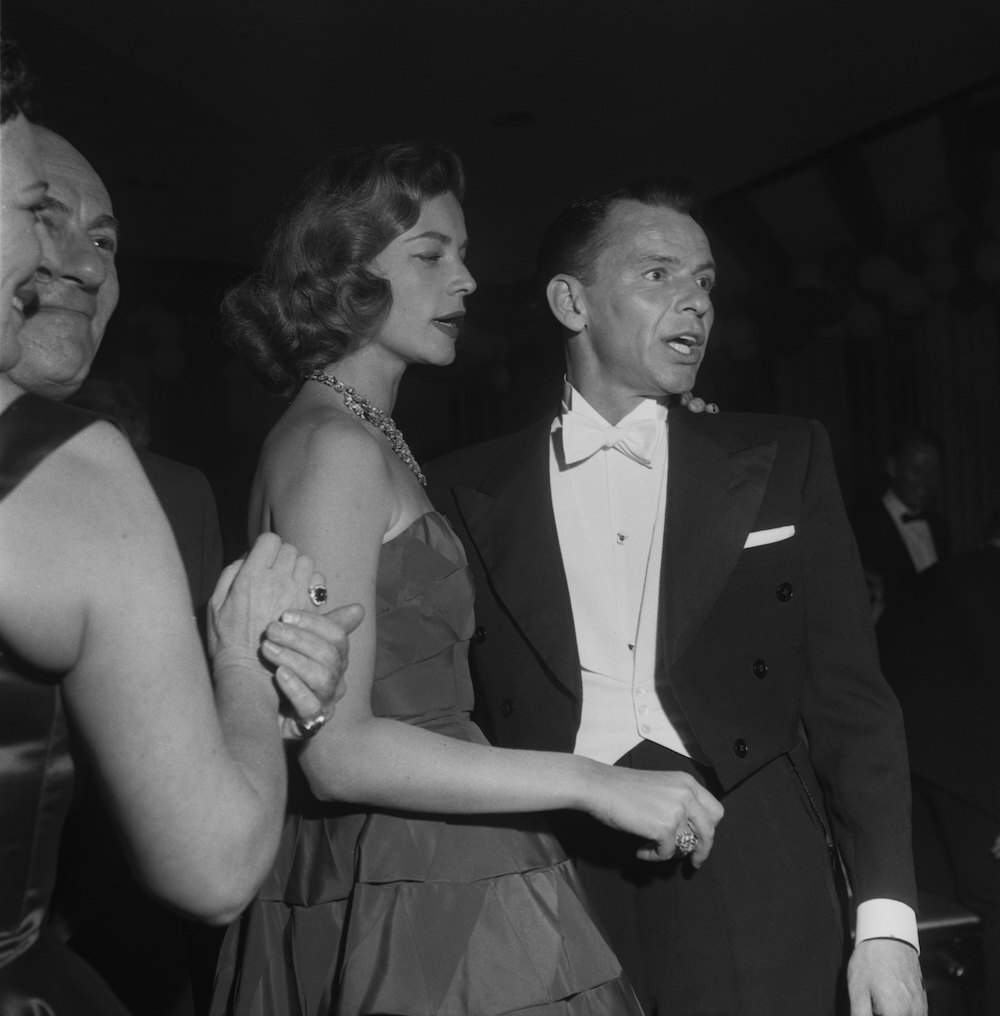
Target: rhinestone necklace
362,408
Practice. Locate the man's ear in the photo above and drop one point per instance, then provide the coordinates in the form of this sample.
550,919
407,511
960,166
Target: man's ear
567,301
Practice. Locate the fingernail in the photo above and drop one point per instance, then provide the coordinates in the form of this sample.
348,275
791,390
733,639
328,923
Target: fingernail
270,648
291,617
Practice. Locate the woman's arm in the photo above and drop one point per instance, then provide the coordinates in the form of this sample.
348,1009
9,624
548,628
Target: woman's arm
332,494
93,587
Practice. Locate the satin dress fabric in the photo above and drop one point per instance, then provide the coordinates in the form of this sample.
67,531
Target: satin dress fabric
39,975
389,912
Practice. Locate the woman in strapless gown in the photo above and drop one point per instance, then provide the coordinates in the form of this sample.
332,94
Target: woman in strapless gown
415,875
378,911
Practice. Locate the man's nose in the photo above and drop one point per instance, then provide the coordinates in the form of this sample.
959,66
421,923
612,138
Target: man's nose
74,258
695,299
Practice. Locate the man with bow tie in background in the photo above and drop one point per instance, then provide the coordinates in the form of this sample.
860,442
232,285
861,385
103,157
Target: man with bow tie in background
677,591
899,534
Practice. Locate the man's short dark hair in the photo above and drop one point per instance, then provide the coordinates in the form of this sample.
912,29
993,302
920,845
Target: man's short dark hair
914,437
573,242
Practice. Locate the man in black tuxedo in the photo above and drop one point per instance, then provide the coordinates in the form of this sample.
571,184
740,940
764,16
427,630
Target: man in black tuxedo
709,618
899,534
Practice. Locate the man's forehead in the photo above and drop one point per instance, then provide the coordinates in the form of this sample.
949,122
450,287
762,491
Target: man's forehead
633,220
635,231
72,180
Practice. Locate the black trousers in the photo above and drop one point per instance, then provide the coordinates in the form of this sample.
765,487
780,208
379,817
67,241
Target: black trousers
758,930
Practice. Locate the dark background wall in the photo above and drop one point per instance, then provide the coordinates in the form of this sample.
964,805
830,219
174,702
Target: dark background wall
850,152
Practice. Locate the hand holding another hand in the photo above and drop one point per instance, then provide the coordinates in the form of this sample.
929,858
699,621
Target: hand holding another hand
657,806
254,591
309,650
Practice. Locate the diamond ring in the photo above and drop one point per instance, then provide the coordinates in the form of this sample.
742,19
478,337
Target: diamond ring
311,727
686,839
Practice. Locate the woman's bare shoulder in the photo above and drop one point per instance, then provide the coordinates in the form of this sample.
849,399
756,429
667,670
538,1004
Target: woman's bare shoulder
325,457
94,477
82,526
320,435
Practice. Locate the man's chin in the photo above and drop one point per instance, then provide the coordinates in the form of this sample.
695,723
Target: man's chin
69,331
50,384
679,380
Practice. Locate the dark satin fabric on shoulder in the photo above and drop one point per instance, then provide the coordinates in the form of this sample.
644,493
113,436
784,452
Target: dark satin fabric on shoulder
30,430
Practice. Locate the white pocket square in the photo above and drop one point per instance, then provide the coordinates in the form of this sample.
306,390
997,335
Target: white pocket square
763,536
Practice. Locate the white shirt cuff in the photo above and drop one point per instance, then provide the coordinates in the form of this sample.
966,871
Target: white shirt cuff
887,919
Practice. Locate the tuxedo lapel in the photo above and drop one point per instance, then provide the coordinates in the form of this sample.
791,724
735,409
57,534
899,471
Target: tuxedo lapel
511,524
714,491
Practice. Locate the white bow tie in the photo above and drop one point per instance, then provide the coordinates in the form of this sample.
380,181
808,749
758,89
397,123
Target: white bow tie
582,437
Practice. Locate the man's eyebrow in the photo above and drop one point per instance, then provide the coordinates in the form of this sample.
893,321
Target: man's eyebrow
668,259
107,222
51,204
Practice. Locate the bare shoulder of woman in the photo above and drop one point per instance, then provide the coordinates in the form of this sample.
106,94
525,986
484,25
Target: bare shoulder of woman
108,607
325,466
71,528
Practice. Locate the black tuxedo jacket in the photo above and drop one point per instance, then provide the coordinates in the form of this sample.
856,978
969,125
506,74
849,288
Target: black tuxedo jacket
883,550
189,504
762,647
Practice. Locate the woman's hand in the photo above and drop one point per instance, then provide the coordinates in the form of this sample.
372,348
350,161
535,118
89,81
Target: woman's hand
657,807
310,652
253,592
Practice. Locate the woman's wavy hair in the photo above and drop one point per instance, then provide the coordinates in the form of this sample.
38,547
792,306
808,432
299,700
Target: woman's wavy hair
314,297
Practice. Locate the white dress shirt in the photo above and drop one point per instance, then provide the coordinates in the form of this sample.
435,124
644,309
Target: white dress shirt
915,534
610,507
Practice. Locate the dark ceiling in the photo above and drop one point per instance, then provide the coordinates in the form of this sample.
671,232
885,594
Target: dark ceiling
202,116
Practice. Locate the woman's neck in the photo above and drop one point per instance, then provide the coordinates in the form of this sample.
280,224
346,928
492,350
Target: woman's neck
370,376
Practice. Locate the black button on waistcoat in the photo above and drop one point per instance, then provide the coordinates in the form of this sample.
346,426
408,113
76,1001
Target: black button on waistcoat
784,592
506,708
760,668
740,748
479,635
